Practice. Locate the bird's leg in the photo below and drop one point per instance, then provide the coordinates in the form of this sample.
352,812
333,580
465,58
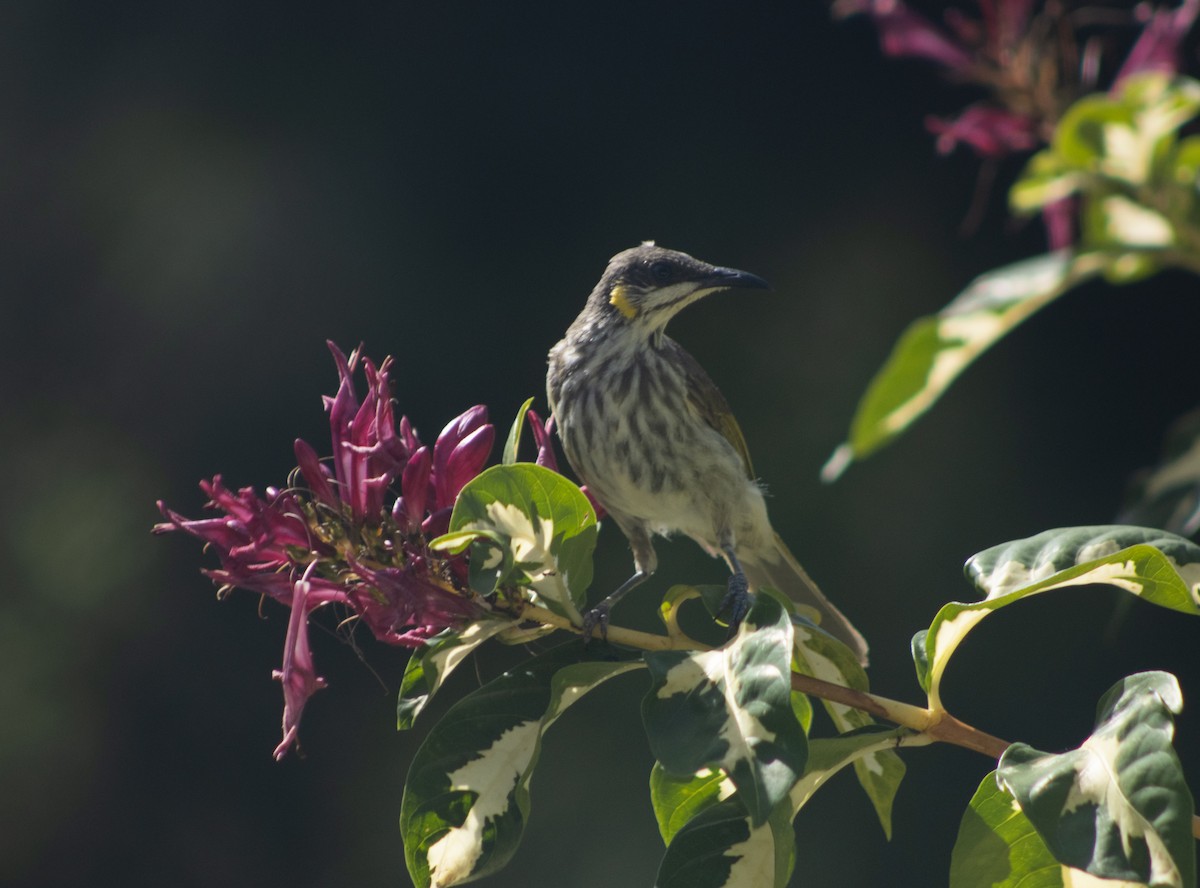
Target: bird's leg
644,563
737,598
598,615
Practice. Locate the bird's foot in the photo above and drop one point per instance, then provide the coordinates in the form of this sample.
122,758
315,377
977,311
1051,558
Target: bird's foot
736,602
597,616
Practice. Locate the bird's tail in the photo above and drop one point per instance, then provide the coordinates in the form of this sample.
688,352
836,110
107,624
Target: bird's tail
780,570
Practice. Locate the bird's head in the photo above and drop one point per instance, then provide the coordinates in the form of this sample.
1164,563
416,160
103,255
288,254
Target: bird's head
646,286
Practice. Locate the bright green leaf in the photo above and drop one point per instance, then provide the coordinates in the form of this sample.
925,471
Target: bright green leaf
512,444
1160,567
1117,807
997,846
934,350
1045,180
467,794
731,708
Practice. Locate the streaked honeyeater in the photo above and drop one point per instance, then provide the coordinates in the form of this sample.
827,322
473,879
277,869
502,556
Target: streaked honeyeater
654,440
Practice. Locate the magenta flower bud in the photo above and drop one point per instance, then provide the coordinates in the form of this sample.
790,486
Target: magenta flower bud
467,460
459,453
543,438
415,487
315,475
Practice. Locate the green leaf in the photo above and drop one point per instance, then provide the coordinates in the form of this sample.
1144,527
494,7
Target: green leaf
512,445
934,350
721,847
997,846
531,528
677,800
1045,179
467,794
712,838
429,667
1160,567
1117,807
871,747
1126,138
731,708
820,655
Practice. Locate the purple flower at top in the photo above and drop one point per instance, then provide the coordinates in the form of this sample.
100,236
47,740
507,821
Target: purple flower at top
903,32
1158,47
357,536
992,132
1026,60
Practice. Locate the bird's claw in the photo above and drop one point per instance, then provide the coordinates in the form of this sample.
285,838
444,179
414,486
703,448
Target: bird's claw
597,616
736,602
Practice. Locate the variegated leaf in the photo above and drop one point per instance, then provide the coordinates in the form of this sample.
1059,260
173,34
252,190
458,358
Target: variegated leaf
730,708
529,527
822,656
873,747
677,800
429,667
721,847
467,795
1117,807
934,350
1160,567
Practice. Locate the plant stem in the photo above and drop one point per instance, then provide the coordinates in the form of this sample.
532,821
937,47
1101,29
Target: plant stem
646,641
938,726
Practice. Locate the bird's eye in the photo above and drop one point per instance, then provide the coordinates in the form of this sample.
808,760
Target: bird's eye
661,271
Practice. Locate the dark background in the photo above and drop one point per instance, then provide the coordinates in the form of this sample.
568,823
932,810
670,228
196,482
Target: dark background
197,195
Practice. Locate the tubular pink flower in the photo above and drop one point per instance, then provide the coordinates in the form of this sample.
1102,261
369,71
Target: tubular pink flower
991,131
358,536
298,675
1157,49
904,32
405,606
367,452
315,475
409,510
543,439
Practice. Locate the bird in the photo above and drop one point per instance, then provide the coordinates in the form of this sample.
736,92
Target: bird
654,441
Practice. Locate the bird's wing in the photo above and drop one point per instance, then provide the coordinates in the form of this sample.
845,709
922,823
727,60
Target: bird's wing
706,399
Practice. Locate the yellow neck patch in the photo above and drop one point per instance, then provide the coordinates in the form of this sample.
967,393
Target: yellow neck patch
618,298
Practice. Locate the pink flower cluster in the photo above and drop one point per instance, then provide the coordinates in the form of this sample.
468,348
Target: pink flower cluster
1027,59
348,538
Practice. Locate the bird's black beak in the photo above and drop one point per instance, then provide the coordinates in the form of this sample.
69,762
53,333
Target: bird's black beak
732,278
